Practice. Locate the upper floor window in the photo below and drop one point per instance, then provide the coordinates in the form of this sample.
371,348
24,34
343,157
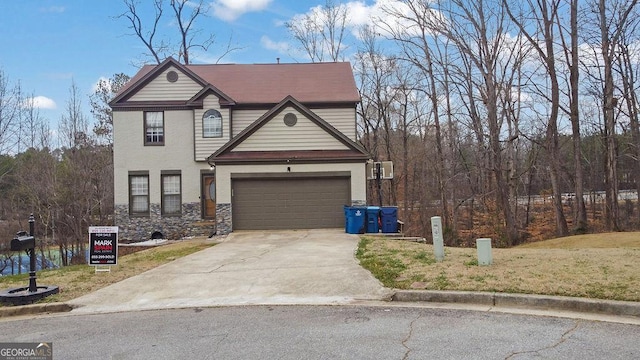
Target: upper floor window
212,124
154,128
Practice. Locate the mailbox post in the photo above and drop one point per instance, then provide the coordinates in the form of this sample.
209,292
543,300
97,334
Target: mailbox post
32,257
27,295
25,242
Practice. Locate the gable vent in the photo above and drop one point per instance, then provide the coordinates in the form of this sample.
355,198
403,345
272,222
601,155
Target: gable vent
172,76
290,119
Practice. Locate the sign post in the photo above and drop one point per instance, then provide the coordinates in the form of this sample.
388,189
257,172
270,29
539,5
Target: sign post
103,247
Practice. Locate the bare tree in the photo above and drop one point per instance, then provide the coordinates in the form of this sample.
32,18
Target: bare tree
11,106
543,41
185,24
320,34
160,44
478,31
572,59
611,16
99,101
376,74
73,126
414,38
157,50
629,69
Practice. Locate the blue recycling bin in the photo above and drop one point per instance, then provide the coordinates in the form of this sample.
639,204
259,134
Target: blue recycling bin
355,220
389,219
373,217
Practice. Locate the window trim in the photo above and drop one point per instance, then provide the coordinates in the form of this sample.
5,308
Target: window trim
221,125
144,130
144,174
163,174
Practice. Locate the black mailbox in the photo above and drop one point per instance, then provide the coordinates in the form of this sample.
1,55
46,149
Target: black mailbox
23,242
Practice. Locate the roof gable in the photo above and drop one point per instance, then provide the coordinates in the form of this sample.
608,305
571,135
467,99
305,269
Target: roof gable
242,143
190,81
208,90
276,135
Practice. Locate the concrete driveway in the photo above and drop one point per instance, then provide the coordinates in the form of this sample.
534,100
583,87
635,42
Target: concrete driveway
256,267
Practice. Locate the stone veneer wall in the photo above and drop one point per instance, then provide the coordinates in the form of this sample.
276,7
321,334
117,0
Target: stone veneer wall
172,227
223,219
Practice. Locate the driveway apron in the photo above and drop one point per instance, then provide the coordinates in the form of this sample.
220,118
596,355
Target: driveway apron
248,268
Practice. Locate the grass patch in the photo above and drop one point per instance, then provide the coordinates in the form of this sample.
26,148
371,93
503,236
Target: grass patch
472,262
441,282
386,267
78,280
617,240
602,266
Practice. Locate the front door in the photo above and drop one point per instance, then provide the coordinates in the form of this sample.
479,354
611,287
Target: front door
208,196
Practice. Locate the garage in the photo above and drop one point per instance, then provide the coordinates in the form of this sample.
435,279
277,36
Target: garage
289,203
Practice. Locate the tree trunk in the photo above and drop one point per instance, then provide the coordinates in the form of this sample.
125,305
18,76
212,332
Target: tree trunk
440,162
608,107
580,211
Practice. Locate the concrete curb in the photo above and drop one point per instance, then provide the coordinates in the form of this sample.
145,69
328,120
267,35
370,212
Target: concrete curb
9,311
506,300
540,302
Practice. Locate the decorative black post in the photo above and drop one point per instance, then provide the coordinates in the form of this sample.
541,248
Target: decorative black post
32,258
27,295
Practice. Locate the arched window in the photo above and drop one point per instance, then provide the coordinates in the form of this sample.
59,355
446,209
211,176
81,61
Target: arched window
212,124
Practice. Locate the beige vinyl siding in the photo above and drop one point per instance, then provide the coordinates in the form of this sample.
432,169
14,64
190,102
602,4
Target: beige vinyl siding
343,119
276,136
161,89
207,146
243,118
357,170
130,154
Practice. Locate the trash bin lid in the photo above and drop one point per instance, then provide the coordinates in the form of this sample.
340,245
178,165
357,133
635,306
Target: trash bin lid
389,210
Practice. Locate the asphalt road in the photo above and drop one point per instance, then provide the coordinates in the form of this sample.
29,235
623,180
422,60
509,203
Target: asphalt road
324,332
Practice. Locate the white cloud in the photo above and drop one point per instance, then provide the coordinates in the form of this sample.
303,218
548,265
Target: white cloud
383,16
229,10
41,102
281,47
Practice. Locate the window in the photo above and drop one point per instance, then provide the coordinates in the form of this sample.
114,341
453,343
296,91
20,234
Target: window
212,124
139,194
154,128
171,193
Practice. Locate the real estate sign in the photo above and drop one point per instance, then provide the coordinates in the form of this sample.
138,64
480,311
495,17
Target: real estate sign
103,245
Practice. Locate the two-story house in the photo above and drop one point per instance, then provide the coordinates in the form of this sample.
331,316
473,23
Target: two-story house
200,149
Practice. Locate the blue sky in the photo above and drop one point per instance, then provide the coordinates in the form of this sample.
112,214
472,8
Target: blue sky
47,43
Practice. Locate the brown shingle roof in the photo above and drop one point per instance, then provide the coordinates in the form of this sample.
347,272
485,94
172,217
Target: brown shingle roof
270,83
